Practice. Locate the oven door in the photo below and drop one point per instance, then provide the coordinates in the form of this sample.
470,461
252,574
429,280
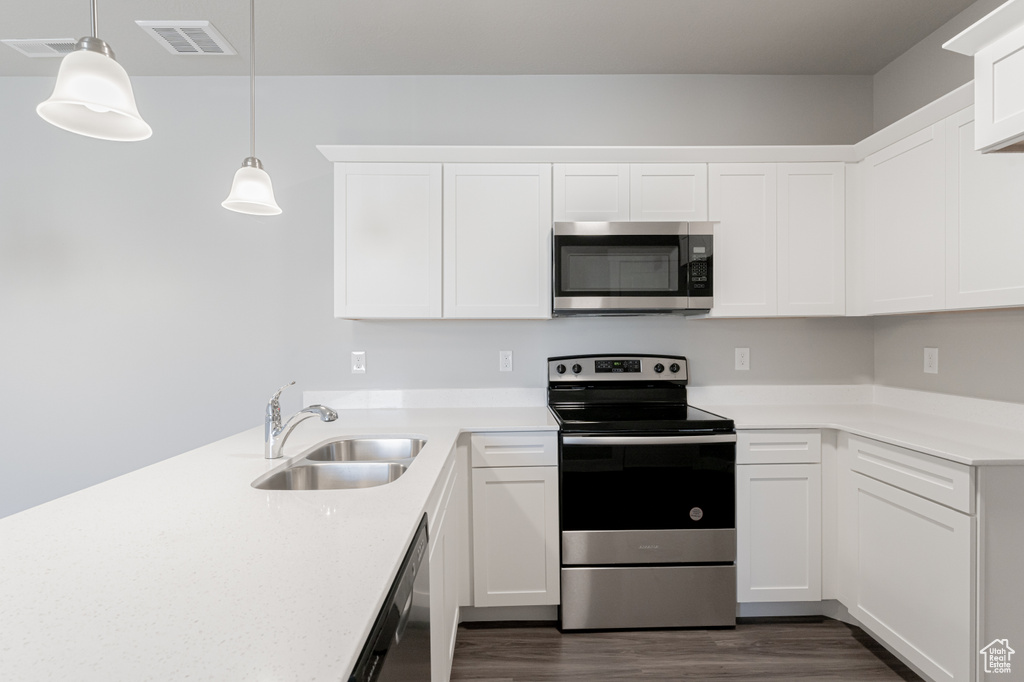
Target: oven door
620,267
647,499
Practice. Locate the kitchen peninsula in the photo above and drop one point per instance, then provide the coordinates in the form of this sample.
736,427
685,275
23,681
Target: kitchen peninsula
182,569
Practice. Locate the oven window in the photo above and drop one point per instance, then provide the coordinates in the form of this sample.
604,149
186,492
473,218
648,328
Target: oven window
647,487
621,269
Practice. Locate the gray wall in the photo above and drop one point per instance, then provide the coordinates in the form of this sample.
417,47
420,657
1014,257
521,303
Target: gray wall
140,319
979,353
926,72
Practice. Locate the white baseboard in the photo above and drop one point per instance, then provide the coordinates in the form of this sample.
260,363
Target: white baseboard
500,614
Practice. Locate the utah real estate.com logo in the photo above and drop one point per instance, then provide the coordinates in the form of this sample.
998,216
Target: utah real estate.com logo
997,657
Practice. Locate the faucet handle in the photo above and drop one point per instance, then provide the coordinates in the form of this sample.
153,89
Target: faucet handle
274,407
277,395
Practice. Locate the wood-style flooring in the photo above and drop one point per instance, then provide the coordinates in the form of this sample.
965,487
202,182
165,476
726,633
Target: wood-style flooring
805,649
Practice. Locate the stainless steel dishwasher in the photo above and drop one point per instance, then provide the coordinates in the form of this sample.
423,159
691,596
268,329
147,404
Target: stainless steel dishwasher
398,648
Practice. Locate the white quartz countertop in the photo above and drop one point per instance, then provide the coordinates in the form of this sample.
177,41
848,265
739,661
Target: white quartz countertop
958,440
182,570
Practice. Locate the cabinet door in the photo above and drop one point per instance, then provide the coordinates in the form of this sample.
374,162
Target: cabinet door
387,240
984,221
904,219
913,577
742,199
668,192
591,191
778,532
998,81
497,240
515,536
812,239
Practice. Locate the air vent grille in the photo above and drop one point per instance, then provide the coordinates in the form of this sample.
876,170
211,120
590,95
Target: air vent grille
42,47
188,37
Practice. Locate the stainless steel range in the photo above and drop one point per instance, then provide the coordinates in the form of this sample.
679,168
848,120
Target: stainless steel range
647,496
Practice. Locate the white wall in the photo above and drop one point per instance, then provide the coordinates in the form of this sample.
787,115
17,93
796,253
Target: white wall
140,319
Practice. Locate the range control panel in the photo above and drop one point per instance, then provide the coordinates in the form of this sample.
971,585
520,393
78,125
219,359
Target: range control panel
601,366
616,368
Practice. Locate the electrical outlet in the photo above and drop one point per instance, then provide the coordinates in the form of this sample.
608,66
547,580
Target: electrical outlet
931,360
504,361
743,358
359,362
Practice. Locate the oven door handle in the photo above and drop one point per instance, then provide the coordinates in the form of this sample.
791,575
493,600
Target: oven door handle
649,440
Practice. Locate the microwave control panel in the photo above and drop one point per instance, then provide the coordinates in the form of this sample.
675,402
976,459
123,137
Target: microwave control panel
700,252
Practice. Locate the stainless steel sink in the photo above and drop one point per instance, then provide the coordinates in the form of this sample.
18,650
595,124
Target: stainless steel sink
335,476
345,464
367,450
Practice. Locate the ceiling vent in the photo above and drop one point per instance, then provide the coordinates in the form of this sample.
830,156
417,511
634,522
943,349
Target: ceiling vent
188,37
43,47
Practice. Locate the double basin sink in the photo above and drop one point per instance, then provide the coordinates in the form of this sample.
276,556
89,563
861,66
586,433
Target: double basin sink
345,464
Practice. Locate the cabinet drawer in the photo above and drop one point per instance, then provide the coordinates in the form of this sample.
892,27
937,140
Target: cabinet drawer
930,477
778,447
521,449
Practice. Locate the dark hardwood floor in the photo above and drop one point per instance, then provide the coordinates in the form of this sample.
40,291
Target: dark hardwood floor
798,649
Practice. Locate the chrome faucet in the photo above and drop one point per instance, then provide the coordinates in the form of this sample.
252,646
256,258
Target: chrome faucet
275,432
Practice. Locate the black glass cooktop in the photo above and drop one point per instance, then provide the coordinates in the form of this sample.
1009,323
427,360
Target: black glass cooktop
639,417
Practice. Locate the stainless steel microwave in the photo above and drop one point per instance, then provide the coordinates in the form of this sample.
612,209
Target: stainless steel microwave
632,268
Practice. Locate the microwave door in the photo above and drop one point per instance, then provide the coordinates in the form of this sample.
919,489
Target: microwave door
620,272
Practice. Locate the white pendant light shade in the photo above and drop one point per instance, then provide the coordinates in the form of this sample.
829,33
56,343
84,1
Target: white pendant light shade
251,191
94,97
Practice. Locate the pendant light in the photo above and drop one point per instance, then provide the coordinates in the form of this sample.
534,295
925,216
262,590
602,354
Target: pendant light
251,191
93,96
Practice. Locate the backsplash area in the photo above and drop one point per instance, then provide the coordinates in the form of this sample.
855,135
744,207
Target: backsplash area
979,353
464,353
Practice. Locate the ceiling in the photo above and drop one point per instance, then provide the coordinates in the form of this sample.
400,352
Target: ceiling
414,37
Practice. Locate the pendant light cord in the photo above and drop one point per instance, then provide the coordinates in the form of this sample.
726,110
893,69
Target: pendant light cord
94,20
252,78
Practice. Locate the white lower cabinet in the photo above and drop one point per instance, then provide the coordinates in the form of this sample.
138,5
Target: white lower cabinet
444,565
515,520
909,560
778,516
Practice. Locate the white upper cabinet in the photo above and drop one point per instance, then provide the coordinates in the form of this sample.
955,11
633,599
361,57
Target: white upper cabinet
609,192
387,240
742,200
997,44
497,240
591,192
904,224
668,192
984,221
489,227
812,239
